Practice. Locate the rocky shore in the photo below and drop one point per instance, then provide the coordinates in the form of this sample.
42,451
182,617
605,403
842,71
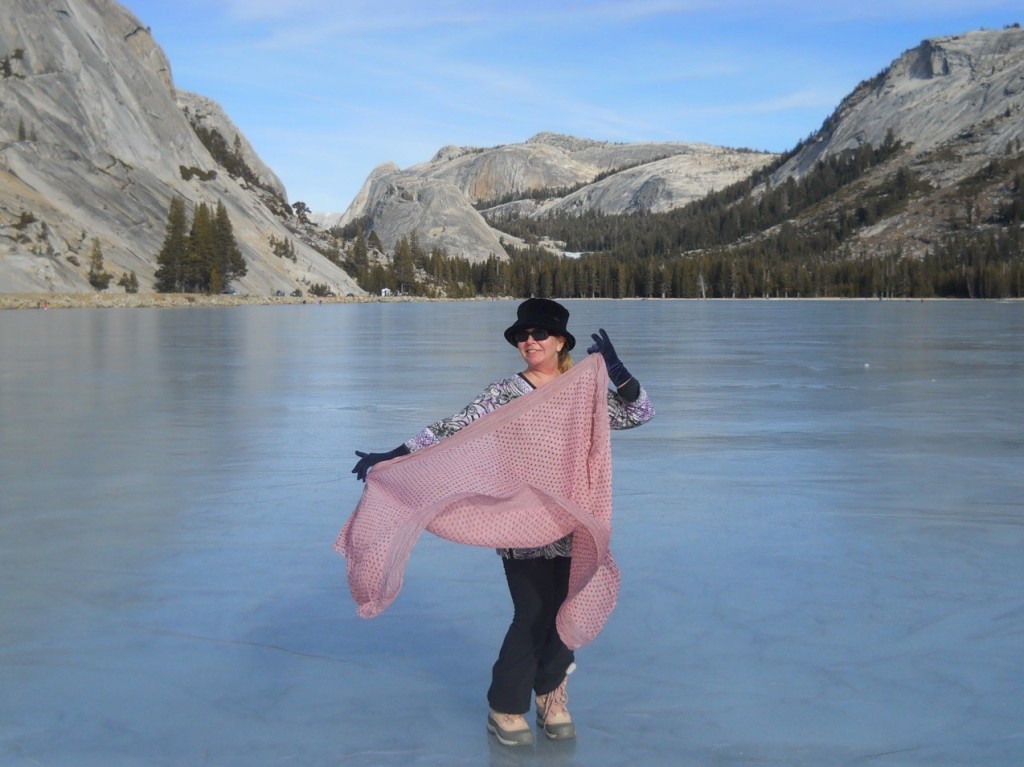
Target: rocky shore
140,300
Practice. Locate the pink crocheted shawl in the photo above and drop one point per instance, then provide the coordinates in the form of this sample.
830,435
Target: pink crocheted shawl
522,476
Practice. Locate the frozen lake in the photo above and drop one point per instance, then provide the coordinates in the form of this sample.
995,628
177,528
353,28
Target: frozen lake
821,537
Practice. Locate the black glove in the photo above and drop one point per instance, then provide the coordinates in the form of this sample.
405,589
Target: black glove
369,460
617,372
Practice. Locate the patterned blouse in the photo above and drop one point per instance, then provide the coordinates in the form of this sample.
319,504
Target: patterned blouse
622,414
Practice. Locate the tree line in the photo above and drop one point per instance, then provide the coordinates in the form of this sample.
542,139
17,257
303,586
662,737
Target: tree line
749,240
748,207
966,266
201,258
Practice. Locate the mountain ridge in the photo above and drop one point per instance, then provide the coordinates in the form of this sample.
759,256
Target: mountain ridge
956,103
953,102
610,178
95,140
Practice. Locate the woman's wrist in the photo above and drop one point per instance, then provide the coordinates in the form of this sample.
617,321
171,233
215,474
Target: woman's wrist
630,390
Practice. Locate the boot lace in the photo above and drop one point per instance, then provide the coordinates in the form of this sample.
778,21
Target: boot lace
511,722
555,702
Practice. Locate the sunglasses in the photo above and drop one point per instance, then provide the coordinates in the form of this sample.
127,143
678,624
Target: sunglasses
537,334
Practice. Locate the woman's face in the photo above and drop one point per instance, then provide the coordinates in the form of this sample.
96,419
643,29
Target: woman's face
540,355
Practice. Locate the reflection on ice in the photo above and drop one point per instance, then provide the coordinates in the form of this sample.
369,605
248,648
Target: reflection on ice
821,559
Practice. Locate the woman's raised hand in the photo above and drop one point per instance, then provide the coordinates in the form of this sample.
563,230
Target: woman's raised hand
602,345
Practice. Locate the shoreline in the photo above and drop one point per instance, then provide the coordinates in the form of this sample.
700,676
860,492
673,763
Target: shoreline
175,300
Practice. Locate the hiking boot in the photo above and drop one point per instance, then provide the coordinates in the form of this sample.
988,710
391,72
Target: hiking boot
553,712
509,729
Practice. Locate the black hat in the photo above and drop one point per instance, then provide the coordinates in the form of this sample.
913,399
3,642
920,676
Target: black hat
541,313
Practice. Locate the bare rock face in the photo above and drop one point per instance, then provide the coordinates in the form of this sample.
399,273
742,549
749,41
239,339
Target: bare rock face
944,91
437,212
662,185
207,113
92,146
504,170
955,104
549,173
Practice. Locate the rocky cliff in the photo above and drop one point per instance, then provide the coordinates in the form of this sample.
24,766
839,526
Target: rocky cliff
956,104
94,138
966,89
549,173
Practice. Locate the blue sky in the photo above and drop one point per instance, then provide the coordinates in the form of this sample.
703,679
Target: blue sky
326,90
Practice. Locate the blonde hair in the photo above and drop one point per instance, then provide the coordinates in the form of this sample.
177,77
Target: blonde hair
564,357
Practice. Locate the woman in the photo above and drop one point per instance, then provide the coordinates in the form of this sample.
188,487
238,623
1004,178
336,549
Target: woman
533,656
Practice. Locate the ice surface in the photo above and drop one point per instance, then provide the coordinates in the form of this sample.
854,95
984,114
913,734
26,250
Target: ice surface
821,536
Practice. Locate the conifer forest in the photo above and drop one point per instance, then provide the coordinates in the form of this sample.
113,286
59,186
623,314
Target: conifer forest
752,239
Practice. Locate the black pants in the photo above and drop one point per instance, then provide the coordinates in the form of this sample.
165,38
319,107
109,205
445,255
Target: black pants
533,656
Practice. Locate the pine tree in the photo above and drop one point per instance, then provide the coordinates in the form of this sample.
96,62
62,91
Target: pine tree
201,261
129,282
359,251
229,263
98,277
170,274
403,267
416,250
